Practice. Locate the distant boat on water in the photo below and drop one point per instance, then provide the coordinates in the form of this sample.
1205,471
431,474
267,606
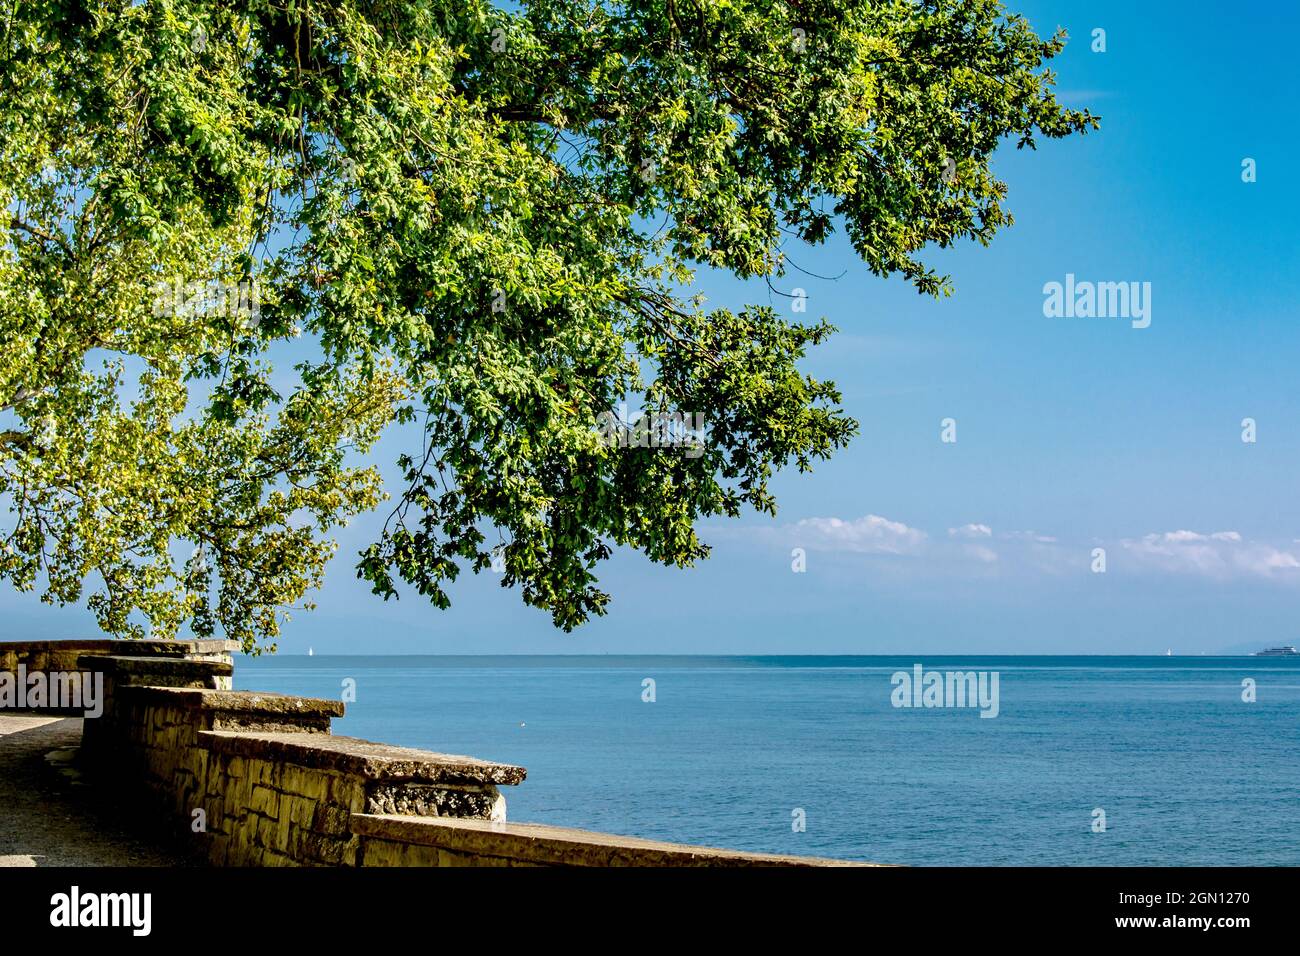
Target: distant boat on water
310,652
1286,650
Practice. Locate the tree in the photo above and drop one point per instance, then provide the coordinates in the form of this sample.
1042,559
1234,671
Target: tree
486,221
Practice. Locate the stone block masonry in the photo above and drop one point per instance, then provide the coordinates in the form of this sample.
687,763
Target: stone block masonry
49,658
287,798
259,779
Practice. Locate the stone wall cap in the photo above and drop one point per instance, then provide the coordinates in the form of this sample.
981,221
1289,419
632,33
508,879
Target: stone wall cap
562,846
176,648
104,644
145,648
236,701
366,758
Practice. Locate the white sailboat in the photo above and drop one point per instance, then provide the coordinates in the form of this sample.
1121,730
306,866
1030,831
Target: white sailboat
310,652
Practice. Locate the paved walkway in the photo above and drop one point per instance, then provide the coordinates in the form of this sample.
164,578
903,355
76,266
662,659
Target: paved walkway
48,817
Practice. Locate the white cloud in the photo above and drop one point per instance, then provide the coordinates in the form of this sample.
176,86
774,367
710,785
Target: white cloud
1033,536
870,534
1177,551
1220,554
1181,537
976,549
1261,559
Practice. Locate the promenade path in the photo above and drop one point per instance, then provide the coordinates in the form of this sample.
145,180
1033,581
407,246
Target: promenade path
49,818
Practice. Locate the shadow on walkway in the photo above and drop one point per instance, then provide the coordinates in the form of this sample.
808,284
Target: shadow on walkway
50,817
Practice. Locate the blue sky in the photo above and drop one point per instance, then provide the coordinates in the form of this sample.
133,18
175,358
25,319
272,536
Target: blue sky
1072,433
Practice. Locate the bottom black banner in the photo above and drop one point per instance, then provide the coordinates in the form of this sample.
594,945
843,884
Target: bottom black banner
489,907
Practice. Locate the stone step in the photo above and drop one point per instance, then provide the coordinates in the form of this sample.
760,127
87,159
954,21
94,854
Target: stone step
237,710
159,671
364,758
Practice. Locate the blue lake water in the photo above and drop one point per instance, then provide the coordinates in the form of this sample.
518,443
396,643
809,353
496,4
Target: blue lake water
1185,771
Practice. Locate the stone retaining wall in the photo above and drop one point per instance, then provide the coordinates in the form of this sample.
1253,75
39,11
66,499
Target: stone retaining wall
258,779
388,840
64,657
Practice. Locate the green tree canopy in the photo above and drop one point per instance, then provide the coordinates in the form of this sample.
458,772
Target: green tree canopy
484,221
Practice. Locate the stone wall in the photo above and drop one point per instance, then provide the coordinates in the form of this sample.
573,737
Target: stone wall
258,779
388,840
153,658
